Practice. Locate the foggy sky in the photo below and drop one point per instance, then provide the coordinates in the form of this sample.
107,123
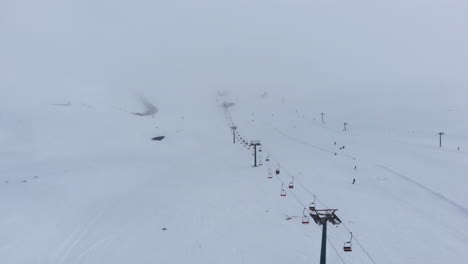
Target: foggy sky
350,46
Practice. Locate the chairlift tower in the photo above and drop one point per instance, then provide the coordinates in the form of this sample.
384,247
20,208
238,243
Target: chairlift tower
322,217
234,128
440,138
255,144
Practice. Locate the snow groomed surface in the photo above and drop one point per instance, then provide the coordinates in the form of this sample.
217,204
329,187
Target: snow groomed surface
84,184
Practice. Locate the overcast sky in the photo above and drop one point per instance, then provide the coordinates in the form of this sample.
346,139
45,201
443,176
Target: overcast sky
243,44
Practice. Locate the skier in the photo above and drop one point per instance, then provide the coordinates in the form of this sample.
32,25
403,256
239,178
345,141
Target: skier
355,167
354,180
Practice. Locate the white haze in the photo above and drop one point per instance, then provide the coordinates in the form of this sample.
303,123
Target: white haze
71,72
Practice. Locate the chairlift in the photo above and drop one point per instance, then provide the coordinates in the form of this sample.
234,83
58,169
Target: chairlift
267,158
270,175
312,205
291,184
305,217
283,191
347,245
260,148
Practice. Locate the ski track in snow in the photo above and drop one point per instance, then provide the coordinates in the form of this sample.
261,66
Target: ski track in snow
97,244
74,239
435,194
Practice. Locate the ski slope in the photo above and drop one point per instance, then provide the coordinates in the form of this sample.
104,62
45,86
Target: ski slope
84,183
86,85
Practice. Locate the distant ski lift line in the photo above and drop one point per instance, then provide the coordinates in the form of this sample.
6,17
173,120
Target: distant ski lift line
283,193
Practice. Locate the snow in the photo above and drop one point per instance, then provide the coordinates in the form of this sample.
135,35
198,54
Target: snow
86,85
99,190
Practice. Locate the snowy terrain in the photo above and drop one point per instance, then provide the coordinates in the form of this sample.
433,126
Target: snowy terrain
86,85
85,184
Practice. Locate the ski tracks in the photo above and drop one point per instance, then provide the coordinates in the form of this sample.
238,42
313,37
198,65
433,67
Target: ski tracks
463,210
95,245
75,238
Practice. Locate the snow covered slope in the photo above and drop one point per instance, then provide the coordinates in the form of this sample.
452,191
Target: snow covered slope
86,85
86,184
409,193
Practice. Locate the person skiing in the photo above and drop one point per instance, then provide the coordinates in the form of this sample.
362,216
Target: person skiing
354,180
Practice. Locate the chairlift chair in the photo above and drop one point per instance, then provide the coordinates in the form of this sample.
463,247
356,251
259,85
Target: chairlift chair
305,218
347,245
283,191
291,184
312,205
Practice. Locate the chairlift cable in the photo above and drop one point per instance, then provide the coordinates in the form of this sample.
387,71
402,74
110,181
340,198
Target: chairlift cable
317,199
